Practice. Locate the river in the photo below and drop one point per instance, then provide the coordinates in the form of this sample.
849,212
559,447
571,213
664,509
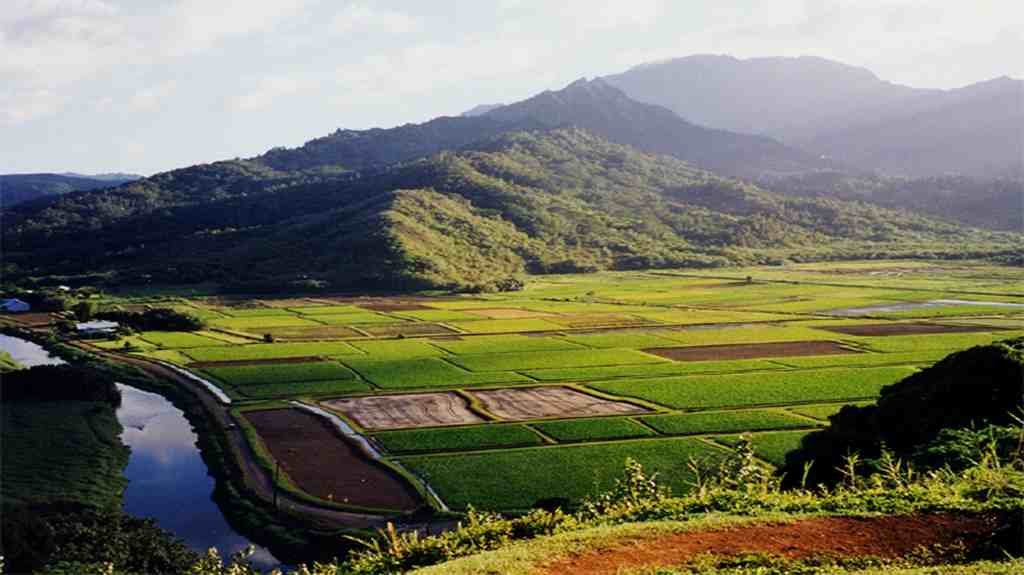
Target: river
168,480
27,353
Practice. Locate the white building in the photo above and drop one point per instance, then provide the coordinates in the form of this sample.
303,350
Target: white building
14,305
96,327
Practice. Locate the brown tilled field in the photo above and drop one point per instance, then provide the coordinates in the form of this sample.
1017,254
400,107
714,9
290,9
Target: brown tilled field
750,350
537,402
406,410
326,465
312,333
905,329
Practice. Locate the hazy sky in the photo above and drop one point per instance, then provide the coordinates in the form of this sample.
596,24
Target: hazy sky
146,86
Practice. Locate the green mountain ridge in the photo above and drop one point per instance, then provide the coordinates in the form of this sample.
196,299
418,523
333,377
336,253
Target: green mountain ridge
562,200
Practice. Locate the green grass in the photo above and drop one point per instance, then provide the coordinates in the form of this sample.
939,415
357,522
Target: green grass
438,315
425,372
179,339
517,478
822,412
238,375
552,359
651,370
254,324
327,309
505,344
576,430
771,446
863,359
296,389
506,325
258,312
938,341
62,451
458,438
354,318
271,351
694,316
724,422
634,340
397,349
752,334
768,388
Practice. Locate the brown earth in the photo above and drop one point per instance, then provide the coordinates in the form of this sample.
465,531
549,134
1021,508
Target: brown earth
599,320
750,350
312,333
274,361
883,537
407,329
30,319
406,410
324,464
517,404
905,329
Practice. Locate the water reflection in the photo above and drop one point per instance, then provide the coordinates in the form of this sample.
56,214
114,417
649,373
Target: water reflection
27,353
168,480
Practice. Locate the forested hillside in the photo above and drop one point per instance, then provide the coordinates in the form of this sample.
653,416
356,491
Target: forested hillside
18,188
529,202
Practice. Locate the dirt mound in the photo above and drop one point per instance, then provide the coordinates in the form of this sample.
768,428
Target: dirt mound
884,537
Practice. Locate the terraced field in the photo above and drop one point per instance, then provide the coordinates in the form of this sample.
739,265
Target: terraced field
504,401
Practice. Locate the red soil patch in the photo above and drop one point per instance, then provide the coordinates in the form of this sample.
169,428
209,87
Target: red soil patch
324,464
235,362
905,329
750,350
885,537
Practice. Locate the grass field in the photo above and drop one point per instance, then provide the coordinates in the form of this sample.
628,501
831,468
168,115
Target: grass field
576,430
552,359
426,372
238,375
519,478
725,422
738,390
456,353
458,438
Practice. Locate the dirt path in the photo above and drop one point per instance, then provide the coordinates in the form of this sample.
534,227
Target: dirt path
256,479
885,537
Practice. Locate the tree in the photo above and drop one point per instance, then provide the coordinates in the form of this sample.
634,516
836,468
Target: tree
85,310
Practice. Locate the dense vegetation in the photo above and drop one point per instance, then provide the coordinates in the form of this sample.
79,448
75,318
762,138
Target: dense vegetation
969,389
539,202
19,188
157,319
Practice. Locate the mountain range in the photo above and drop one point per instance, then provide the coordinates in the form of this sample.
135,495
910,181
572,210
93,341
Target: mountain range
577,179
844,112
17,188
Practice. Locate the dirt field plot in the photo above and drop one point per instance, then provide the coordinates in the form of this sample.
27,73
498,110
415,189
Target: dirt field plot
883,329
750,351
518,404
508,313
313,333
407,329
323,464
406,410
584,321
393,306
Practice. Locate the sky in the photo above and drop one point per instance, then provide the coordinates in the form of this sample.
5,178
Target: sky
145,86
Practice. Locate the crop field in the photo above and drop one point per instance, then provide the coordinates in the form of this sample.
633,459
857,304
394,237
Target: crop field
503,400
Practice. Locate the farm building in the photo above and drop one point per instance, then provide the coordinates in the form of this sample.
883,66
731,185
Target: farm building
14,305
91,328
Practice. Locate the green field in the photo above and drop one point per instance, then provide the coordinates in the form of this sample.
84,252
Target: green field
576,430
725,422
457,438
773,388
552,359
519,478
595,328
262,374
426,372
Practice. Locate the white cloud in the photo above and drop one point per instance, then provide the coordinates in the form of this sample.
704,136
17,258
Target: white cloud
265,93
23,106
152,98
193,26
363,19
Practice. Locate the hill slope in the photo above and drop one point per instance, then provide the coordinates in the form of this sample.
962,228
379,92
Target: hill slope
530,202
844,112
18,188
